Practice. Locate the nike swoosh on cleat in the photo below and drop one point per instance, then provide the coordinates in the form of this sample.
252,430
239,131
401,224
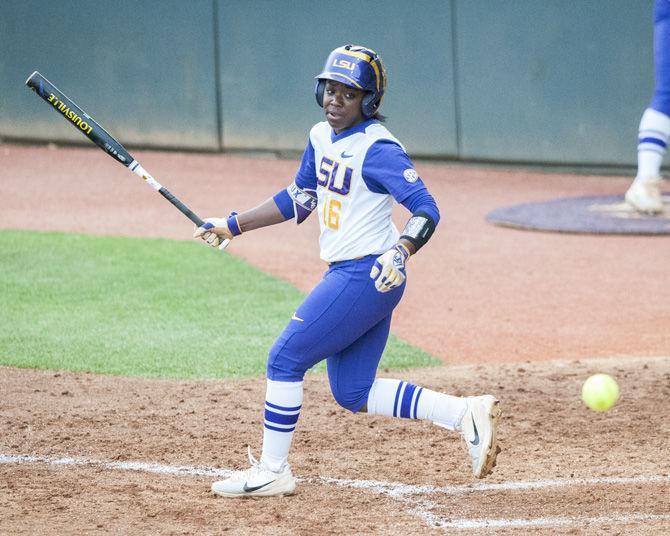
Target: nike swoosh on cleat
475,441
294,317
345,155
249,489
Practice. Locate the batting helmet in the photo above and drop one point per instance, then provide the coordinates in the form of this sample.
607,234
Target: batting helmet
356,67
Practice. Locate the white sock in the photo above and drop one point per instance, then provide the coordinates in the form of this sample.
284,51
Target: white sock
652,143
283,401
396,398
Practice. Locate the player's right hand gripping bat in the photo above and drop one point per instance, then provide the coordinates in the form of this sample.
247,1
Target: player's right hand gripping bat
88,126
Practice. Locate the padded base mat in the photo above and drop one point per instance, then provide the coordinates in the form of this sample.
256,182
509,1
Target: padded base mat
595,214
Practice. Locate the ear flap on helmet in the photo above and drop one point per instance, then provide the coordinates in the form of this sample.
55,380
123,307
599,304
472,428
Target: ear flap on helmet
369,104
318,91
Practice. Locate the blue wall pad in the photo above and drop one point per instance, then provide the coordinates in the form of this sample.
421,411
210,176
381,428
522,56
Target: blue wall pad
594,215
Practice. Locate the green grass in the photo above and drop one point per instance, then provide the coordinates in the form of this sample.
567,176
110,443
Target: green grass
143,307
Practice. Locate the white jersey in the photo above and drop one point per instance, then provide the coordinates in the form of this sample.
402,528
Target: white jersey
354,220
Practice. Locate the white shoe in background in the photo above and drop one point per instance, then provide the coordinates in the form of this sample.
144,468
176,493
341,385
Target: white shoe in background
644,195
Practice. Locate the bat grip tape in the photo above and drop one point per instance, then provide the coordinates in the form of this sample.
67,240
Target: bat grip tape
183,208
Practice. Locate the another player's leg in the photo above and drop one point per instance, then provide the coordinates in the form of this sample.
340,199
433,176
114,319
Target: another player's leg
644,194
352,378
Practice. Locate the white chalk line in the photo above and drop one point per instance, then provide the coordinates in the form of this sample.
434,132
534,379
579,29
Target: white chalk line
396,489
123,466
424,509
549,521
404,493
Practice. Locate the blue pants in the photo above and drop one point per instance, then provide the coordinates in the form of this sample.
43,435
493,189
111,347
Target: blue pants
344,320
661,99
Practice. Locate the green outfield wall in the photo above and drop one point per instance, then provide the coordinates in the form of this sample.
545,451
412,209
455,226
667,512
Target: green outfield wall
536,81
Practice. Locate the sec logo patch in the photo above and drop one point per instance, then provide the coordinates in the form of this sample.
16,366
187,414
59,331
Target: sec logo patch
410,175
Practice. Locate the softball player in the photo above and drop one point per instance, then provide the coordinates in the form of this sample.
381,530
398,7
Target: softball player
644,195
351,172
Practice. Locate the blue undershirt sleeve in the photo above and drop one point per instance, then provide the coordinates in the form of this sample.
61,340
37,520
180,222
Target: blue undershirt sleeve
387,169
306,174
305,178
422,201
284,204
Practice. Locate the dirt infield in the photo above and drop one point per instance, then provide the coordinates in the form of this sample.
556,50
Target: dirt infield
520,315
548,439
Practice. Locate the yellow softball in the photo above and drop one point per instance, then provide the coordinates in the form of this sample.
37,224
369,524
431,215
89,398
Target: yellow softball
600,392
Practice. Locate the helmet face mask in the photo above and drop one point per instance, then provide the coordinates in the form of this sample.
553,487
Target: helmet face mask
356,67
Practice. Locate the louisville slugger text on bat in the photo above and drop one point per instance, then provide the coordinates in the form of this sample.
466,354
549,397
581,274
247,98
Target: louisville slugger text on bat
90,128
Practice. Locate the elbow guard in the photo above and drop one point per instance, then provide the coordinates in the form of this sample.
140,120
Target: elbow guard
419,229
304,201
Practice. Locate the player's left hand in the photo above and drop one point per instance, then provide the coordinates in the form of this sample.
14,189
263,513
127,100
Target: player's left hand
389,268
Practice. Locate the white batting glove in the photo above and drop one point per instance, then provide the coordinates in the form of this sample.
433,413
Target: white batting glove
214,231
389,268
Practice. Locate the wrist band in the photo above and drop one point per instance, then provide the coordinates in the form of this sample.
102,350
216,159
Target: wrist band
233,224
402,248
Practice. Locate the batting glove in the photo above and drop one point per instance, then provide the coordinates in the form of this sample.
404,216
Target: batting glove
389,268
217,230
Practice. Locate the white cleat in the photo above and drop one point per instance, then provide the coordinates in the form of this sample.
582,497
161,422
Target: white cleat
645,195
257,481
478,428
